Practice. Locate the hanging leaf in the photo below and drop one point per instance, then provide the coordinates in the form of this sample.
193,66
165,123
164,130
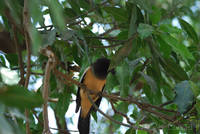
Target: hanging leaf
131,131
145,30
144,4
133,25
48,37
189,30
62,105
184,96
56,13
173,69
155,15
120,14
123,76
18,96
121,54
150,81
177,47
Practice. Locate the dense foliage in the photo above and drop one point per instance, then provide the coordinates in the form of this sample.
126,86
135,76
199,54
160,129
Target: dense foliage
154,46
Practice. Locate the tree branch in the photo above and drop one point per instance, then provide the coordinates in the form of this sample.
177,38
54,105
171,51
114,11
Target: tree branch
120,113
115,45
45,93
26,27
115,121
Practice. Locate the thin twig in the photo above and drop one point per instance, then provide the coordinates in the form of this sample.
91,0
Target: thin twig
62,126
110,46
45,93
110,30
106,38
38,119
63,130
120,113
118,44
19,54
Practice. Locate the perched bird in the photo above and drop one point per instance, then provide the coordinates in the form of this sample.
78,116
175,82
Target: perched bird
94,78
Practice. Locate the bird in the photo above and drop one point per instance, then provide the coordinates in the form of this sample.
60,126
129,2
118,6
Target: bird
94,78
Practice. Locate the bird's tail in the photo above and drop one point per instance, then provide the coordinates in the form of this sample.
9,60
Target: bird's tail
84,124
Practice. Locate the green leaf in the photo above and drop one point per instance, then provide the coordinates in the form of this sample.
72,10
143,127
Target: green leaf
165,49
36,40
62,106
75,6
111,82
145,30
155,15
120,14
189,29
121,54
131,131
174,69
141,132
5,127
171,130
18,96
56,13
150,81
2,61
123,76
177,47
36,11
13,59
94,115
133,26
144,4
67,34
48,37
184,96
69,13
195,89
168,28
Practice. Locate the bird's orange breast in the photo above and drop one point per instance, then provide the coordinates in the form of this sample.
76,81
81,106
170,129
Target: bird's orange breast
93,84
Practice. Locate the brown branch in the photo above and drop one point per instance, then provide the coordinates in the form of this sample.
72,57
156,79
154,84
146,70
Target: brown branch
39,121
45,93
106,38
143,106
55,100
110,30
28,47
113,120
19,54
45,97
120,113
110,46
118,44
61,126
27,40
166,103
63,130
